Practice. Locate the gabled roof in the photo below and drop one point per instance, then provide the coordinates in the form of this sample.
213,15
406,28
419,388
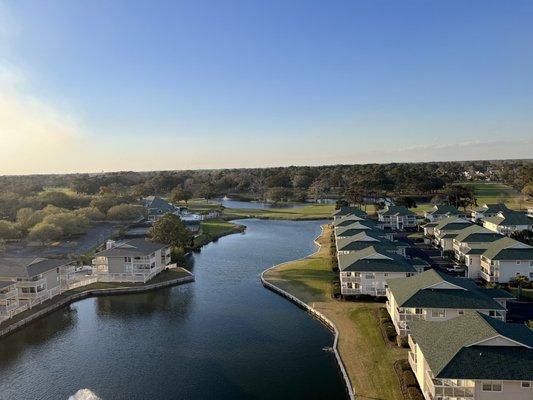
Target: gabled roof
471,229
509,218
396,210
132,248
477,237
374,259
442,209
350,211
454,349
154,203
350,220
508,249
453,224
356,226
435,289
492,208
28,267
348,245
346,220
4,284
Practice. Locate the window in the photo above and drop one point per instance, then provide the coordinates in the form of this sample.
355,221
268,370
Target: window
460,312
418,311
369,276
438,313
525,385
518,262
127,259
491,386
493,313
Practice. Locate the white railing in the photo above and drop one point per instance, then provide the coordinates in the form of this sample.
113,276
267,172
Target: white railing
487,277
39,282
9,294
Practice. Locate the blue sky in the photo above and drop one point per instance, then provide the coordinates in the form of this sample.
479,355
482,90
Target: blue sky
100,85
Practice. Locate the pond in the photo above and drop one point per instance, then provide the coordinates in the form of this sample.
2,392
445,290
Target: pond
223,337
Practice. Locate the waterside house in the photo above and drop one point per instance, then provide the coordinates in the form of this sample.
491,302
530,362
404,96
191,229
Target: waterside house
364,272
135,260
36,279
436,296
157,207
447,229
505,260
472,356
345,211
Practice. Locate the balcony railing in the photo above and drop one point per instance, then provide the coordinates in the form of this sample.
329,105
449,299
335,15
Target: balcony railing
25,284
487,277
9,294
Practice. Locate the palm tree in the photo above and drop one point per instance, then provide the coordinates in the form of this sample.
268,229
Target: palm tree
519,281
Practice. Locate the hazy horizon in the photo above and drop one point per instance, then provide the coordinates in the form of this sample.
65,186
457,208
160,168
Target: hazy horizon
175,85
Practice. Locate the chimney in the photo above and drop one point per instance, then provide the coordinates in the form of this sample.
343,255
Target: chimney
109,244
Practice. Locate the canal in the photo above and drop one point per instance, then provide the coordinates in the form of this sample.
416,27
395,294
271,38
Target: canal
222,337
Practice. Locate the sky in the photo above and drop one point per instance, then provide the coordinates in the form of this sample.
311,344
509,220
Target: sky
88,86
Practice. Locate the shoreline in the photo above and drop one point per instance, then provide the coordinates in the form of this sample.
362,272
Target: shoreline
69,298
315,313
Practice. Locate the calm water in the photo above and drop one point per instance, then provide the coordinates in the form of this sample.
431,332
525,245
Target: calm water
222,337
228,203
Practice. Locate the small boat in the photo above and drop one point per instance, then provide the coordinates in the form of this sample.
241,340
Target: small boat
328,349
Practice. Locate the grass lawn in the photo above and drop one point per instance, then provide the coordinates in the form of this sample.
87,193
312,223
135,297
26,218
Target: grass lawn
488,192
368,358
317,211
213,229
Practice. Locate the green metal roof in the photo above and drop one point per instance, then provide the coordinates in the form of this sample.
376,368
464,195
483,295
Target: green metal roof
450,348
492,208
350,210
396,210
363,261
444,209
512,218
508,249
453,223
416,292
347,220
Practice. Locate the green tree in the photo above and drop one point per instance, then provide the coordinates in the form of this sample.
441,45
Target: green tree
207,191
179,194
126,212
70,223
520,281
45,231
104,203
8,230
276,194
170,230
91,213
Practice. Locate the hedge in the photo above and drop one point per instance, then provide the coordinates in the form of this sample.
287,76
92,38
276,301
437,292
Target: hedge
409,379
415,393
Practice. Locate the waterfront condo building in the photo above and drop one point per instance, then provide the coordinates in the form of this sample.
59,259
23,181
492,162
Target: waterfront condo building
369,238
135,260
366,271
473,356
446,230
345,211
397,218
436,296
37,279
157,207
9,299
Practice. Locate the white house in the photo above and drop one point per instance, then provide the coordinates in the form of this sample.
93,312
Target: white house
135,260
9,299
500,263
441,211
365,272
436,296
472,356
446,230
488,211
37,279
508,222
397,218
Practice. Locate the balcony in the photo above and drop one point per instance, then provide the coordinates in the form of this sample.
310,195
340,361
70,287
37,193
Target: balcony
29,284
10,294
487,277
412,360
6,310
350,291
352,279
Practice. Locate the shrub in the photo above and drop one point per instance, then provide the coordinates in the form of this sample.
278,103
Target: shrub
415,393
126,212
70,223
402,341
91,213
404,365
44,231
390,331
409,379
383,313
8,230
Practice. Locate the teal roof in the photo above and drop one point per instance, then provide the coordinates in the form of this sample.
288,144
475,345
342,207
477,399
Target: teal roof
362,261
510,219
492,208
417,292
453,223
508,249
396,210
347,220
442,209
350,211
453,349
347,223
